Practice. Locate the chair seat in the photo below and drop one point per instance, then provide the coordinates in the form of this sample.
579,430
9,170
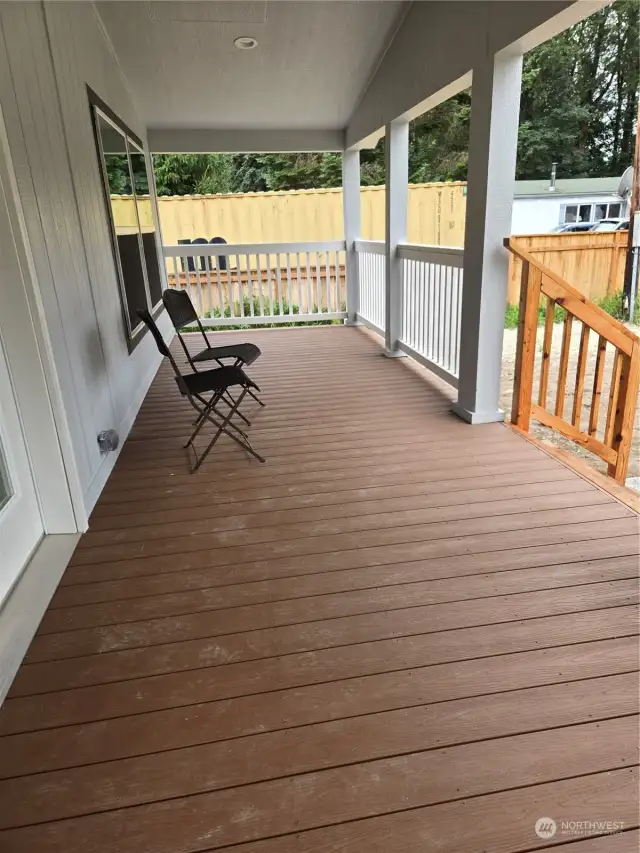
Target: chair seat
214,380
247,352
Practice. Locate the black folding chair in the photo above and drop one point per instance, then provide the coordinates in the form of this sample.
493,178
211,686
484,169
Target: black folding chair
217,382
182,313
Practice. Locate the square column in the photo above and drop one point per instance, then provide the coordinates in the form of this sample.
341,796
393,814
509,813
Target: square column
351,215
493,141
396,199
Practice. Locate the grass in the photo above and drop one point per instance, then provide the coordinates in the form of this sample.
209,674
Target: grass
611,304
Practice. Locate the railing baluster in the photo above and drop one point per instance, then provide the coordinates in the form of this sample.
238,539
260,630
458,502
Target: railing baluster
531,282
581,370
250,293
546,352
564,364
219,283
625,414
598,379
299,280
318,283
614,390
279,284
308,287
260,290
289,287
209,299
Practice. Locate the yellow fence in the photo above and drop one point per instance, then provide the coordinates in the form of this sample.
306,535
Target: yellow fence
436,215
594,262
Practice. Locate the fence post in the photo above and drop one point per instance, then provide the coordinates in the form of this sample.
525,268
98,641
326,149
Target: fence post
526,346
351,212
397,193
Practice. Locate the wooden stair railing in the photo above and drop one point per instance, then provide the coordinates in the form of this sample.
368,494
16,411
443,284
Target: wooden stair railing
614,443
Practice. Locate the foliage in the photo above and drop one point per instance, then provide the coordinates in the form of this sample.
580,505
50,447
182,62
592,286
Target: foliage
612,304
188,174
511,314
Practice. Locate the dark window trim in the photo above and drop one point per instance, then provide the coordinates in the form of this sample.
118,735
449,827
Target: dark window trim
96,101
136,335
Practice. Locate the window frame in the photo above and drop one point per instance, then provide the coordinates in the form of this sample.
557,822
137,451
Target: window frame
98,108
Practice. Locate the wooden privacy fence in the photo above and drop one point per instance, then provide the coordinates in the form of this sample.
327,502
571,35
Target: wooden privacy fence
617,346
594,260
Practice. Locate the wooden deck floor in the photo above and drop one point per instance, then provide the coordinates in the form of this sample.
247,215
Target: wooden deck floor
400,634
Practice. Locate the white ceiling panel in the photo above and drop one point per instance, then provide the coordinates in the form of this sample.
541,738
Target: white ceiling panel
311,66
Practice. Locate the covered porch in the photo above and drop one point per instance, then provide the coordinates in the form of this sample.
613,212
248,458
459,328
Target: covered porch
401,634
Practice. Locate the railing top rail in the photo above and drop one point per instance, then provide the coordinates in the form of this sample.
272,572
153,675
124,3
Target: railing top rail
197,250
452,256
576,304
375,247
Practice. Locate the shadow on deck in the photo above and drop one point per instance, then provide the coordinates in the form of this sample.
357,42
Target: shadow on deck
400,634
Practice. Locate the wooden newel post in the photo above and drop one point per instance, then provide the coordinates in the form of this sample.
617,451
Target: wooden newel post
625,413
531,282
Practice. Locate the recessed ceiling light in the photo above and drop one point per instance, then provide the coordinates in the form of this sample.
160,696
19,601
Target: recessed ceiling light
245,42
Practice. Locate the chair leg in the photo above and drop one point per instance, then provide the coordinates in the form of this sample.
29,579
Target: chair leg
255,397
228,399
223,428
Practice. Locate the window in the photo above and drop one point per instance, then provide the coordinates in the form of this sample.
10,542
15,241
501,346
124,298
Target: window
614,211
570,213
129,198
601,212
585,213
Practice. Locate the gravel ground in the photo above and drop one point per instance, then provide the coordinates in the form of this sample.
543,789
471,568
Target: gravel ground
539,431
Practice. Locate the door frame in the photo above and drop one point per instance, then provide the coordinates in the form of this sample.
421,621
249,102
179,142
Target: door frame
32,365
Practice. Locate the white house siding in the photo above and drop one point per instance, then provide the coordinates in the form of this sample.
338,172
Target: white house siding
48,55
536,215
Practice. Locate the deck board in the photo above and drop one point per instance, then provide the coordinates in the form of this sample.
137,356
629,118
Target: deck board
401,633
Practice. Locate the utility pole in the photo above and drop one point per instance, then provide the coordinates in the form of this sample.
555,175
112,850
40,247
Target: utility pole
635,206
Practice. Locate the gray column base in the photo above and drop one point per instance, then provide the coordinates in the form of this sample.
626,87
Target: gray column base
355,322
496,416
393,353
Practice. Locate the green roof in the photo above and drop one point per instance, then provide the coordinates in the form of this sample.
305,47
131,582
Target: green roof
569,186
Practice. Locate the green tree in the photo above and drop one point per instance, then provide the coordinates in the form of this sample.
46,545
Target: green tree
188,174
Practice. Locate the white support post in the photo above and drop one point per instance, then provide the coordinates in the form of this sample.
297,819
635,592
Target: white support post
397,194
493,140
351,210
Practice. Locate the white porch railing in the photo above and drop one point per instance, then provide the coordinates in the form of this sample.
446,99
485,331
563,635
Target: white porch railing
371,263
260,283
432,307
431,301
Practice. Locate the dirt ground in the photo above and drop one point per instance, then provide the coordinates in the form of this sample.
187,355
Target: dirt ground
508,364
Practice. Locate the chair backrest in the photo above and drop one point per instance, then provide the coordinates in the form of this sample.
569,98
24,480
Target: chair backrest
164,350
182,313
179,308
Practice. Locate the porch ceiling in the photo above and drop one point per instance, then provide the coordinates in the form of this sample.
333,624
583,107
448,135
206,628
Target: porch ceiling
311,66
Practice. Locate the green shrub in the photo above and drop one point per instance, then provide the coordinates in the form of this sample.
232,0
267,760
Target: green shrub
612,304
